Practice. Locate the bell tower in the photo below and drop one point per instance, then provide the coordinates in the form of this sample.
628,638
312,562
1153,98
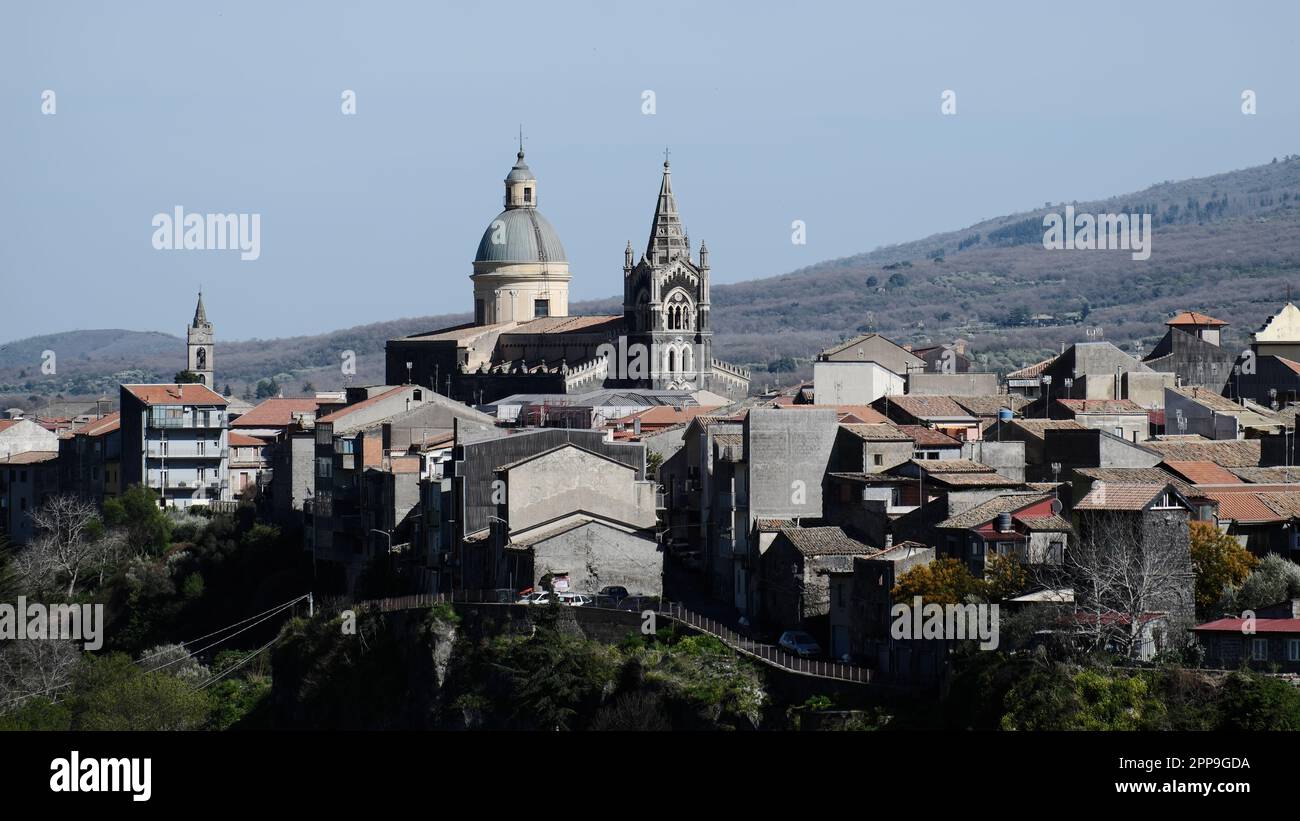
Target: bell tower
198,338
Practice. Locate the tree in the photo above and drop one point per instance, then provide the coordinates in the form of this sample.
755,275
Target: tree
944,581
785,364
308,387
227,391
1274,580
186,378
66,525
1219,562
1004,577
1122,572
113,693
267,388
138,514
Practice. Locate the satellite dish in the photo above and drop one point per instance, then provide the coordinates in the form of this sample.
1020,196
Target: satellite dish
1056,507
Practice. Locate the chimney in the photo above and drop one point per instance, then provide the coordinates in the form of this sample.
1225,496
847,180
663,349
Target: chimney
889,540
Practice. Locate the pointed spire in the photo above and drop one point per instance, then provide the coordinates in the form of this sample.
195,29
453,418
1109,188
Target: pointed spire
667,236
200,315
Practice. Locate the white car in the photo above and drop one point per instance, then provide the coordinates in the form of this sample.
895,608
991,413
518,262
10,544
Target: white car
576,599
538,597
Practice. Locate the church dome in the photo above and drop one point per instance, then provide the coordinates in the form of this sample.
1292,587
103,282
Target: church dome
523,235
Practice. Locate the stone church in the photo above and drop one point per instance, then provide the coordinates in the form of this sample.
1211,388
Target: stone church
522,339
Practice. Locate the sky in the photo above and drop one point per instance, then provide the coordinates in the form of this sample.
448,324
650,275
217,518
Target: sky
824,112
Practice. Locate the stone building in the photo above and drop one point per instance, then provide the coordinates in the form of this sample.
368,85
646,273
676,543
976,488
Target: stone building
523,340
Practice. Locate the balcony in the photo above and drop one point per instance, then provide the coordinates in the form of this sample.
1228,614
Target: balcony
215,455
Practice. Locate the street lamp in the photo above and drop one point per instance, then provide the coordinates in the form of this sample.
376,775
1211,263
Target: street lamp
1047,384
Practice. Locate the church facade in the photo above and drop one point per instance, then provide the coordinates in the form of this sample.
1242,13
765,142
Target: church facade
523,340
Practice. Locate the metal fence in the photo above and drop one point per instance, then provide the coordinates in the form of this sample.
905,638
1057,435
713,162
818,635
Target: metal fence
767,653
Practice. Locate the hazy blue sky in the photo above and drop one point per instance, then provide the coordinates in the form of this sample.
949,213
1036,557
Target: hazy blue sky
825,112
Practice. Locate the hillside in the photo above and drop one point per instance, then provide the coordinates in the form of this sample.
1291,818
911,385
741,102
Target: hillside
1227,245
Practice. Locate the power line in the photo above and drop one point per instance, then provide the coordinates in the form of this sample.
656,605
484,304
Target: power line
270,614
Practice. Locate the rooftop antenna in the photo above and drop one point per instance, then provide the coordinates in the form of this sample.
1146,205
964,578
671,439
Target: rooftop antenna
521,139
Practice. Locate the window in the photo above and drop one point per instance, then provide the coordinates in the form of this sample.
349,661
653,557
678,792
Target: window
976,548
202,447
1293,650
324,434
1119,432
877,459
541,307
1259,649
528,194
480,312
324,467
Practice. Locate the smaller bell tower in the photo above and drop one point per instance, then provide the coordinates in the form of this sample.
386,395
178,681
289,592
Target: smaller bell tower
198,338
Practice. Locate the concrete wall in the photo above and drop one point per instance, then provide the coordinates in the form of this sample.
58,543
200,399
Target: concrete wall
853,383
1134,427
928,383
25,435
1147,389
783,448
1007,458
571,479
596,555
1200,419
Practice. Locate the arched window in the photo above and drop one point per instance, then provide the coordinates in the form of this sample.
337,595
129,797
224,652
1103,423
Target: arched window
672,361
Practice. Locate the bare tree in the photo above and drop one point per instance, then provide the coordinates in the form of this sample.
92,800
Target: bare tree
64,524
1125,567
33,668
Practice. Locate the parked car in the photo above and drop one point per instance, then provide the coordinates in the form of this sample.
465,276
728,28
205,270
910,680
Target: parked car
638,604
576,599
536,597
615,592
800,643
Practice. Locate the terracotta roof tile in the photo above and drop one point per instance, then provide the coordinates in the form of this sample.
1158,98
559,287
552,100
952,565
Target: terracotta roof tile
1202,472
173,394
826,541
1229,453
929,437
275,413
1194,318
1118,496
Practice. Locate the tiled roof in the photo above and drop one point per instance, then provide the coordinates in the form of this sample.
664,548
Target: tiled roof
1243,507
1103,406
172,394
768,525
973,480
1031,370
244,440
101,426
1117,496
924,407
666,414
8,423
929,437
990,405
1270,475
1260,626
877,433
1230,453
1208,398
564,324
1129,476
988,511
365,403
1045,524
826,541
30,457
1202,472
275,413
952,466
865,413
1038,427
1194,318
1284,503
